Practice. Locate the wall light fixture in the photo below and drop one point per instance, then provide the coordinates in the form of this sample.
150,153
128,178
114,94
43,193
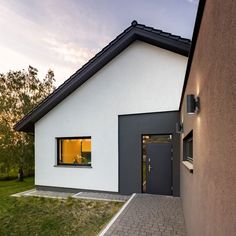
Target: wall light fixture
179,127
193,104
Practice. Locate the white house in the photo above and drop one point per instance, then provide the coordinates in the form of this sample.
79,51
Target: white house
111,126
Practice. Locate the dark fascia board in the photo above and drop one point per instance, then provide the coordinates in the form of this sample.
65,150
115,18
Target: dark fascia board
165,43
136,31
193,45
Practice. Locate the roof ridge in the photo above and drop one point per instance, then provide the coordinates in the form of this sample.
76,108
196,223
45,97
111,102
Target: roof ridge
134,25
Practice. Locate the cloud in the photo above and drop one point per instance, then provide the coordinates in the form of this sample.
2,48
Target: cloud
70,52
193,1
23,43
18,61
63,35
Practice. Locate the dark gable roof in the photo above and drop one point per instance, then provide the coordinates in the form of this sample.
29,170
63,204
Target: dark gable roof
136,31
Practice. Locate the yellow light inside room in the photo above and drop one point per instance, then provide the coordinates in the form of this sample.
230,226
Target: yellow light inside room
75,151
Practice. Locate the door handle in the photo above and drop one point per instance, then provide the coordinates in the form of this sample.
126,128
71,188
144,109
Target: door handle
149,168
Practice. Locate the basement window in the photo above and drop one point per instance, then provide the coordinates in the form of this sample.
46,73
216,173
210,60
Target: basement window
74,151
188,147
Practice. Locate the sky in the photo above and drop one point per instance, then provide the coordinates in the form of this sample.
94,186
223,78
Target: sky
64,34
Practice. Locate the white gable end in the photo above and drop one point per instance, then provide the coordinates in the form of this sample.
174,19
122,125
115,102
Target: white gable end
141,79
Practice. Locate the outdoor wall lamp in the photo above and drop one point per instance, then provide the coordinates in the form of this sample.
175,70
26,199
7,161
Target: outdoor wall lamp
179,127
193,104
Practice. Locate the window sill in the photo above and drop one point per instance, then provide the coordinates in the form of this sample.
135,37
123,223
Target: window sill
73,166
188,165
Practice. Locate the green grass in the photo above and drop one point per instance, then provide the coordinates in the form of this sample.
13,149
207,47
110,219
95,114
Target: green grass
41,216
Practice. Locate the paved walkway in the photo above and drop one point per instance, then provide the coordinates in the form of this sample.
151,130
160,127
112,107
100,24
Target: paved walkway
149,215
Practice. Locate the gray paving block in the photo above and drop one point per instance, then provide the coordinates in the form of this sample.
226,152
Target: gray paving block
148,214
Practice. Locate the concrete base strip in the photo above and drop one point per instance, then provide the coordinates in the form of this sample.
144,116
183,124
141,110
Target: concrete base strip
75,195
98,199
116,216
23,193
101,196
44,194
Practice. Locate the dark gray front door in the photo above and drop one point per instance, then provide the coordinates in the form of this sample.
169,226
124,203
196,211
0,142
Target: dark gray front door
159,168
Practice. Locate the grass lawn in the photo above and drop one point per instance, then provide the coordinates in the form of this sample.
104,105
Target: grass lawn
40,216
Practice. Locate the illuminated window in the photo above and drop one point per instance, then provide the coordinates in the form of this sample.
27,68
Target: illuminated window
74,151
188,147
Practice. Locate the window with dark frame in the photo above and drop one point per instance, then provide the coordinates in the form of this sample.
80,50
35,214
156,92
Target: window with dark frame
188,147
74,151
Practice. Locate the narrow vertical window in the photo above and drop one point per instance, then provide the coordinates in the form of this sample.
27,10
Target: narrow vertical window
188,147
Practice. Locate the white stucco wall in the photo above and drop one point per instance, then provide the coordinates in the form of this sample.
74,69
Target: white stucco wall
143,78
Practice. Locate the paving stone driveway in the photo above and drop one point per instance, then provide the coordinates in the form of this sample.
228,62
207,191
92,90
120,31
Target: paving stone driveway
150,215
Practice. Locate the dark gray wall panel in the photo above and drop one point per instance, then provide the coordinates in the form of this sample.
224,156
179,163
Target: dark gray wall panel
131,129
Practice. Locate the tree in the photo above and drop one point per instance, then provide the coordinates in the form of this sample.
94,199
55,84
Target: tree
20,92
